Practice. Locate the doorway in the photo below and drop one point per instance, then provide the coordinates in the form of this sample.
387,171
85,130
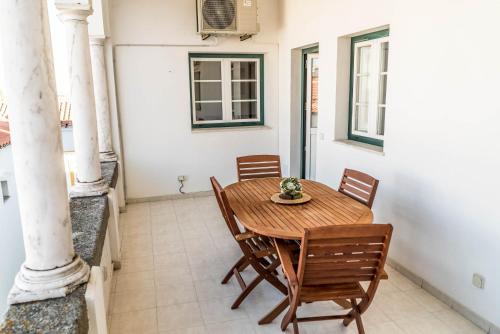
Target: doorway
310,85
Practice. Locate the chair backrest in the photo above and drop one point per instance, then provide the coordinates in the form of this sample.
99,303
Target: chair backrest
343,254
258,166
359,186
224,206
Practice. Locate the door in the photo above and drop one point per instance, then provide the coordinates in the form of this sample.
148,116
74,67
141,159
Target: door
311,114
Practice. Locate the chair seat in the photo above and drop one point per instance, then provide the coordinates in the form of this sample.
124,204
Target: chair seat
332,291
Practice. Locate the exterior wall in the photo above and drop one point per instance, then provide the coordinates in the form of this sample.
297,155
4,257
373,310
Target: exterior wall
152,39
11,236
441,148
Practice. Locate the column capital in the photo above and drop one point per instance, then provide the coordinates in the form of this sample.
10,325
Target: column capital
74,10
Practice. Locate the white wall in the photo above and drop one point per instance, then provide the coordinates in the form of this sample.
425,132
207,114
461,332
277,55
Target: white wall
153,97
442,148
11,237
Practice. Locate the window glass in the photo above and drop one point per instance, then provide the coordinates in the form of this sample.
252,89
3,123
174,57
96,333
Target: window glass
207,91
206,111
364,60
244,91
207,70
243,70
245,110
361,117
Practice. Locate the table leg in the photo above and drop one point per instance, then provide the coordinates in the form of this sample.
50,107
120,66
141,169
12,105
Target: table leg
268,318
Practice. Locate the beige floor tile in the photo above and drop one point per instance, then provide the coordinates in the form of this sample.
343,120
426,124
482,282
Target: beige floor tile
167,243
137,264
380,328
232,327
179,291
212,289
428,302
177,262
194,330
142,280
169,277
133,301
132,230
401,282
427,325
219,310
398,305
456,322
143,322
326,327
179,316
212,269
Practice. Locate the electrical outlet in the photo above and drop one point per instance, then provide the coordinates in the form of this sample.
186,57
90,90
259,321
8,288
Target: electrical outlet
181,178
478,281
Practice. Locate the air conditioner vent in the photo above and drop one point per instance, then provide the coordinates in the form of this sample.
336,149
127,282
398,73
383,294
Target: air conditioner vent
227,17
219,14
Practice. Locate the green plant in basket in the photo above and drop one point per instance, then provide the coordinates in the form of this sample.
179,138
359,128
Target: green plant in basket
291,188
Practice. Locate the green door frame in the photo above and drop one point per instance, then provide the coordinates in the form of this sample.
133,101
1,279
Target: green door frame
303,97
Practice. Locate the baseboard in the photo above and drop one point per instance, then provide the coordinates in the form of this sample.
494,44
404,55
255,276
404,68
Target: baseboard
479,321
169,197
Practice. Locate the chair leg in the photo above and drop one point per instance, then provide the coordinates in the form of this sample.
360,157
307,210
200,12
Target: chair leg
269,317
267,274
241,262
290,315
246,291
357,316
295,326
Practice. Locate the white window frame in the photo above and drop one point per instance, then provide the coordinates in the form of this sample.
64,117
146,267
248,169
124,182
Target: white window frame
374,87
226,83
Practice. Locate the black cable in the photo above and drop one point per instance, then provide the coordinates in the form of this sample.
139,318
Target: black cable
182,186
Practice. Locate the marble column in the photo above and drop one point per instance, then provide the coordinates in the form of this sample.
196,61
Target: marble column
101,99
51,268
89,181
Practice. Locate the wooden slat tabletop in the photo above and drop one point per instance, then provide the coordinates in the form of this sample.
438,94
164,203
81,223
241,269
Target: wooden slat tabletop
251,203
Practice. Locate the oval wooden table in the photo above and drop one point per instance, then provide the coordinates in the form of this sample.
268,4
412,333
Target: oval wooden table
252,205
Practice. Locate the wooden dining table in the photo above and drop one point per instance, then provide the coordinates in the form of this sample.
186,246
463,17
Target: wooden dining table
252,205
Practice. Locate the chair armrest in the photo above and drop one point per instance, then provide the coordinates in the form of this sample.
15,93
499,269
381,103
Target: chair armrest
285,255
245,236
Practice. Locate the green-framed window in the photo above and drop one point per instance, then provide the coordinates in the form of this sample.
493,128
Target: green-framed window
367,101
227,90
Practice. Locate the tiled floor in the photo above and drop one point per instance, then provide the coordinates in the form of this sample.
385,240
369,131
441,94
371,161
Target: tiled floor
175,254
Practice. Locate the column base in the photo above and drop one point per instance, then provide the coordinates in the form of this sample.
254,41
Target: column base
34,285
89,189
108,156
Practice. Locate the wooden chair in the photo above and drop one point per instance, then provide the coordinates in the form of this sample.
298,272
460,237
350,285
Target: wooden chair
359,186
259,252
258,166
332,262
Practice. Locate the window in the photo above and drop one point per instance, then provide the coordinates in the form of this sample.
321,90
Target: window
367,108
226,90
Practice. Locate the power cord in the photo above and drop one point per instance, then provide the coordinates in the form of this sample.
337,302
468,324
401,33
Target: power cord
182,186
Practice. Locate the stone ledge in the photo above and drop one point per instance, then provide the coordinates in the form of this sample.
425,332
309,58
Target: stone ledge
109,172
68,315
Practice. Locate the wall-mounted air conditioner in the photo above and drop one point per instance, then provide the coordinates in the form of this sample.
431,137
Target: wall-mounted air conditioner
236,17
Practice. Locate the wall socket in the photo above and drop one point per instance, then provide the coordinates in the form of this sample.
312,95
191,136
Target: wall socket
478,281
181,178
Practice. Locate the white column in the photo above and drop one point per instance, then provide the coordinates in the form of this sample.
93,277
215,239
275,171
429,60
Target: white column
51,268
101,99
88,169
